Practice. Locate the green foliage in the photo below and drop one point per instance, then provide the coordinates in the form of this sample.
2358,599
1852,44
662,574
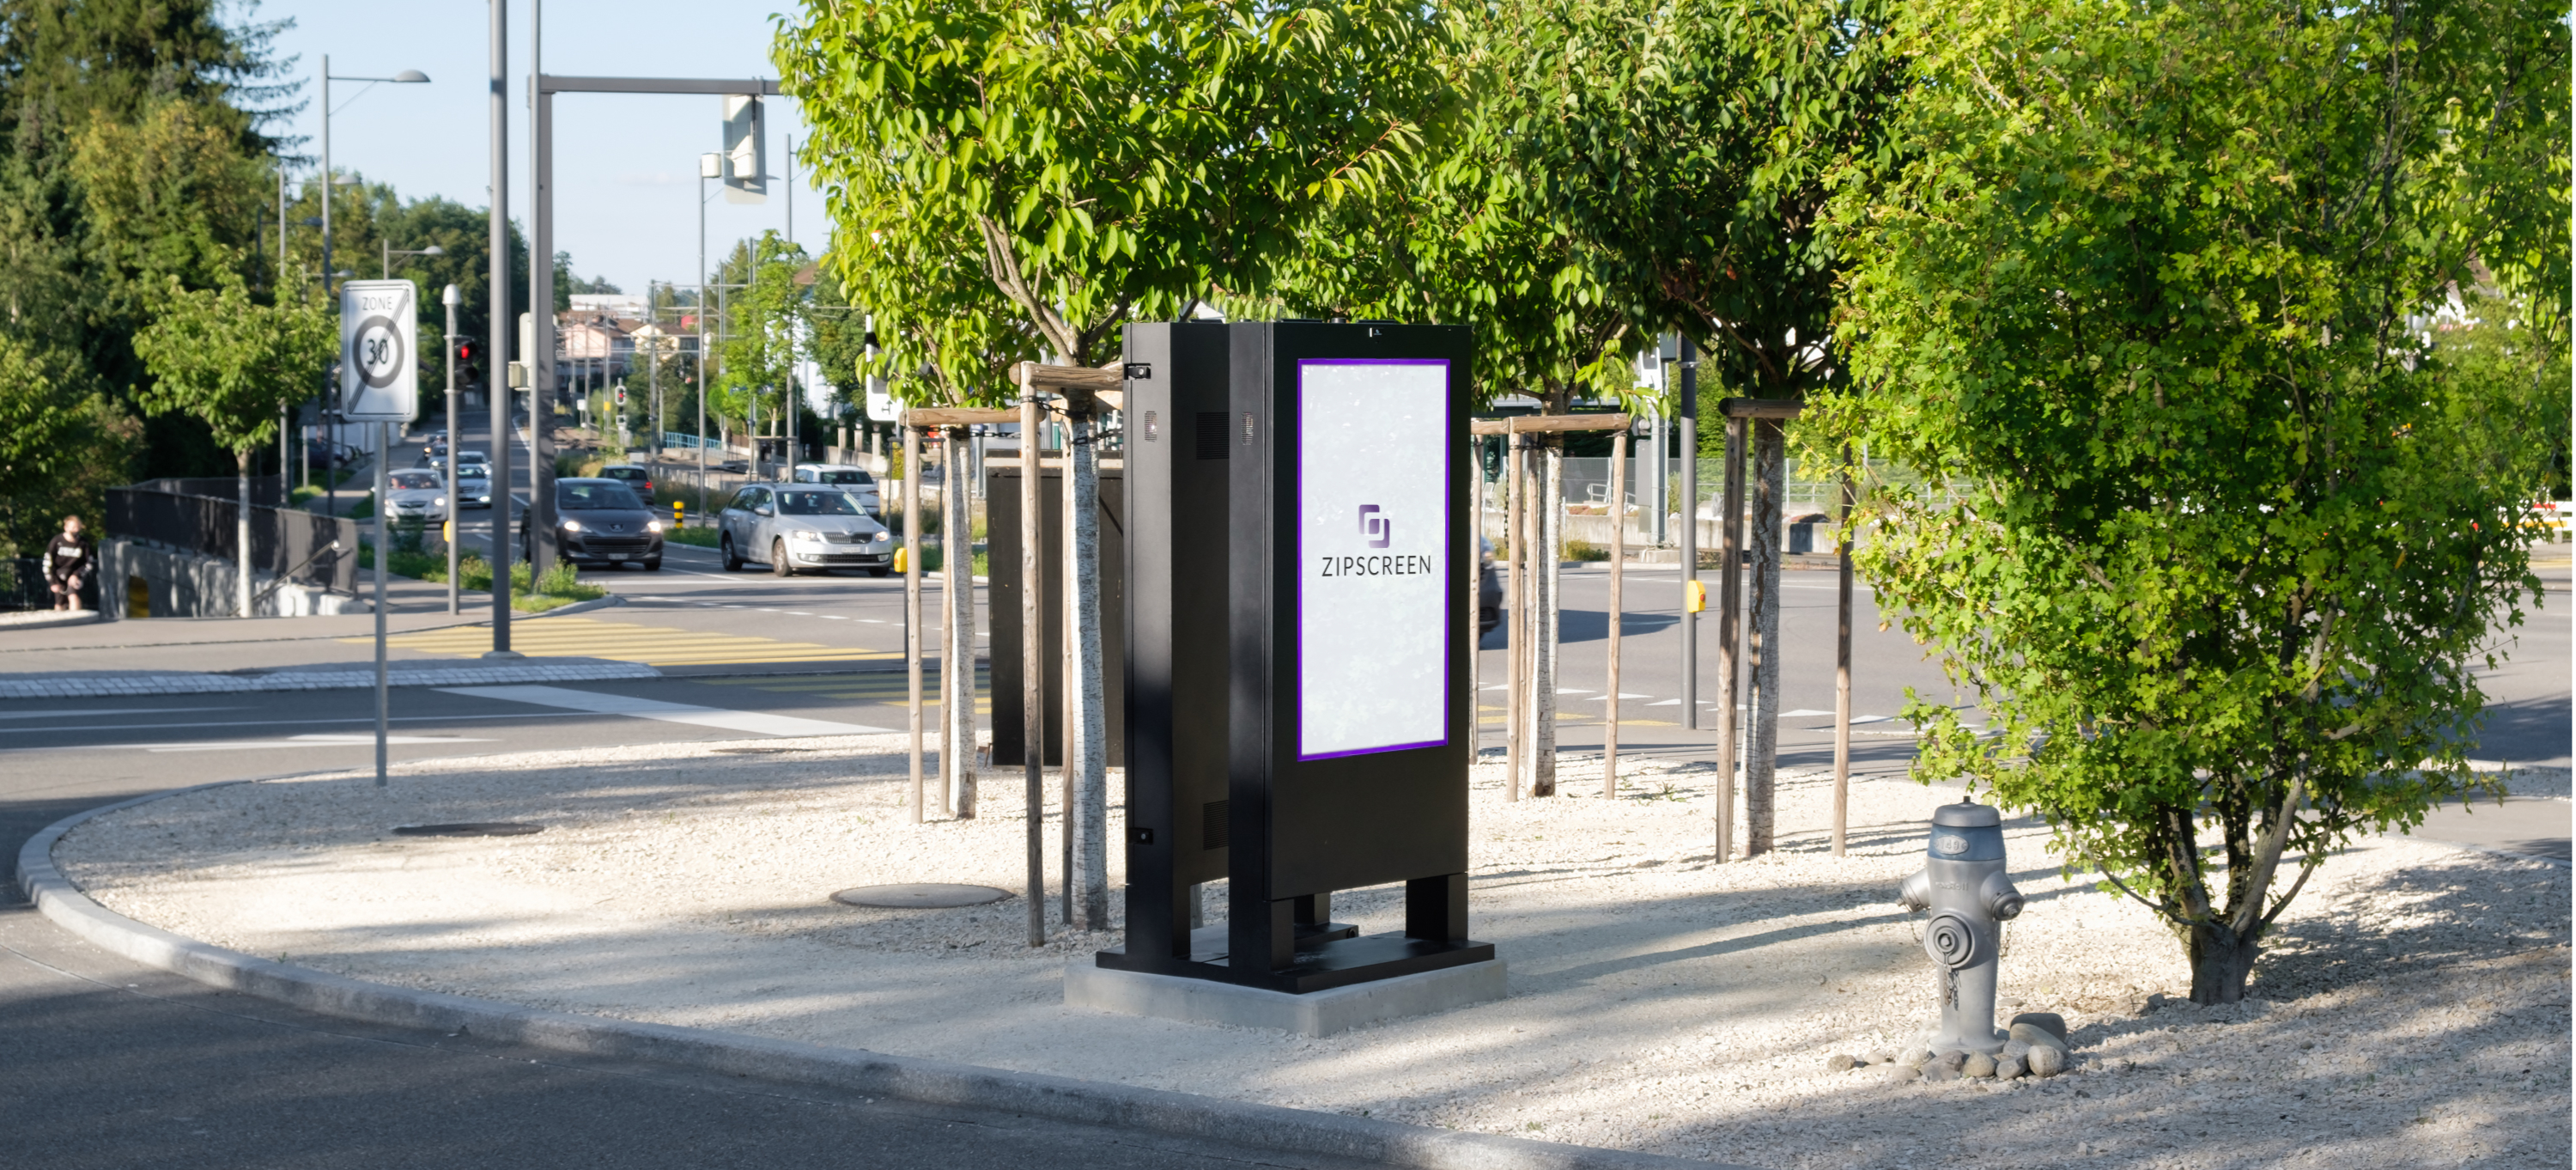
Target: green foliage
2156,295
755,365
1465,241
232,363
135,156
1096,160
1687,144
59,448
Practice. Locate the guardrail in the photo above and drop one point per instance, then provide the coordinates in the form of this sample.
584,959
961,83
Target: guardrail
284,542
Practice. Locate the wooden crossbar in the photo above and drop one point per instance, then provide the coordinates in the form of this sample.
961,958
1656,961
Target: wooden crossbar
927,417
1533,424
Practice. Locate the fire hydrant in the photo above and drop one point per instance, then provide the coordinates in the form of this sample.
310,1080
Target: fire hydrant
1970,897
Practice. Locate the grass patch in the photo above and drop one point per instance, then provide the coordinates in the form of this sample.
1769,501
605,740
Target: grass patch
1584,550
561,585
700,536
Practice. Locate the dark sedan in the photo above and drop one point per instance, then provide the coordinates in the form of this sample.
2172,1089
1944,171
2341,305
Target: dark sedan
601,521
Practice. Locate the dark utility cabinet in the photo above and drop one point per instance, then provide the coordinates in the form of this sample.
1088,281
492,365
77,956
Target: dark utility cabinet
1296,663
1002,556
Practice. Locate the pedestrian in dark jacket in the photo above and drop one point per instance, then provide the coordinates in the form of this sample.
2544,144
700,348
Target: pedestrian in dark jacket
70,562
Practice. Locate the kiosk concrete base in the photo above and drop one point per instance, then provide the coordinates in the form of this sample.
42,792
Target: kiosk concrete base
1316,1013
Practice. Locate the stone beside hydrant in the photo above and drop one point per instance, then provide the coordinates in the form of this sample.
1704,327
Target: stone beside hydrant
1970,897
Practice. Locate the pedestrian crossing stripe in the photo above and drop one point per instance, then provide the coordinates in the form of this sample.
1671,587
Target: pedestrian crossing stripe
580,637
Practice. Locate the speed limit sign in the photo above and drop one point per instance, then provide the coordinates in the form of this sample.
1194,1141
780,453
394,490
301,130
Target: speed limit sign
379,374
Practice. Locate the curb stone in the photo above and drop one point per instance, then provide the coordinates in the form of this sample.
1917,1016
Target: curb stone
49,619
900,1077
174,683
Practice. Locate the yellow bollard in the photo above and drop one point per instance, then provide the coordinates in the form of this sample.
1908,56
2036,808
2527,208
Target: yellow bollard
447,532
898,560
677,519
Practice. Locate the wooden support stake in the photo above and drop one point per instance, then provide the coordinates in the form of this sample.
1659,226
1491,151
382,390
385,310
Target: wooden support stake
1842,665
1032,665
1618,576
912,608
1730,632
1070,709
1517,626
1475,575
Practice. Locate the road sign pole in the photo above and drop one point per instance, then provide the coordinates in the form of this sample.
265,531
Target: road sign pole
384,552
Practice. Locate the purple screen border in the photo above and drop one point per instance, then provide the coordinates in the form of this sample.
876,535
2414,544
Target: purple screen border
1449,590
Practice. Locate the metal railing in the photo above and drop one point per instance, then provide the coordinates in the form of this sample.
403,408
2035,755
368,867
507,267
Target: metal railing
22,584
284,542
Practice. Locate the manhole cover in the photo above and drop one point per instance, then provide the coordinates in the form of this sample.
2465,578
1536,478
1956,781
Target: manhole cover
920,896
477,829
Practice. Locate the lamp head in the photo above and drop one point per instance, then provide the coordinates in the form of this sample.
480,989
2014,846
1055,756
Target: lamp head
451,297
435,250
711,166
411,76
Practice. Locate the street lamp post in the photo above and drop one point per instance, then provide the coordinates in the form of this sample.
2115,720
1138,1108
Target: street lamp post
710,165
391,251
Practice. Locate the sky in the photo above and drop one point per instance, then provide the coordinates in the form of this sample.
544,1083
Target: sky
626,165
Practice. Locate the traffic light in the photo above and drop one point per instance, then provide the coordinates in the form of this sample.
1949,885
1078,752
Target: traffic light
469,361
621,394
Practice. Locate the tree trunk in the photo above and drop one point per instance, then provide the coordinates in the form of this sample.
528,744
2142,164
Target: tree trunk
1762,732
1545,552
957,655
241,531
2221,962
1087,750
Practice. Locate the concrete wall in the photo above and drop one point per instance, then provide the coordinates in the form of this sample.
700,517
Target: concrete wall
187,584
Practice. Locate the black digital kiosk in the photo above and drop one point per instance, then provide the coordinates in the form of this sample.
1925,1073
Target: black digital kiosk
1297,722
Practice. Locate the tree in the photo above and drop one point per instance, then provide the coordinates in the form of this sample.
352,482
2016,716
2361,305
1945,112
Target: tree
1465,241
135,144
757,359
1104,159
1688,144
235,364
60,447
2223,561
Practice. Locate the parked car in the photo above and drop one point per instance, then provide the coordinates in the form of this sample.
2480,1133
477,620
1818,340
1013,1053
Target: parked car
795,529
600,520
413,494
854,480
473,485
636,479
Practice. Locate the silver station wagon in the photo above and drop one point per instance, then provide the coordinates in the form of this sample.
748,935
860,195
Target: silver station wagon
798,529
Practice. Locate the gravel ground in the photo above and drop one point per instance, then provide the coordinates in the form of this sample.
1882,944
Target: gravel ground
2412,1011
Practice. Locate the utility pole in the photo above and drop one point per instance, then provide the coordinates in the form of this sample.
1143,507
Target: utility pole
497,390
541,303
